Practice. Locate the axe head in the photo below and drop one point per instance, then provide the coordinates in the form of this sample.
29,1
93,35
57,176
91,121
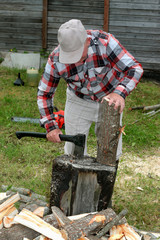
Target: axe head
79,141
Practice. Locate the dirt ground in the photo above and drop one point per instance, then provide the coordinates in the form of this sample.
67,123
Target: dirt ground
146,164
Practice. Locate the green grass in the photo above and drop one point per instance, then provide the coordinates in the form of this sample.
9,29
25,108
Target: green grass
28,162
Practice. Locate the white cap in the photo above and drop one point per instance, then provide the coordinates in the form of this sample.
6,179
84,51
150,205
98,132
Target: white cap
71,37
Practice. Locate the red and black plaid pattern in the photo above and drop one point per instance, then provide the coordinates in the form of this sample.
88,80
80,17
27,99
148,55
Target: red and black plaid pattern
109,67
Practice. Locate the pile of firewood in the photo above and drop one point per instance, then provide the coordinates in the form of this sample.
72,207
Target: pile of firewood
101,225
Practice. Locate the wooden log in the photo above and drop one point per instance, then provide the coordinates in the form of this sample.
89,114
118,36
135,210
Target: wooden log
8,211
34,222
23,191
41,211
32,198
9,202
108,133
51,219
17,232
112,223
61,218
145,108
88,225
81,185
8,221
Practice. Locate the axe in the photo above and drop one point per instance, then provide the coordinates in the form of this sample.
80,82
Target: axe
78,140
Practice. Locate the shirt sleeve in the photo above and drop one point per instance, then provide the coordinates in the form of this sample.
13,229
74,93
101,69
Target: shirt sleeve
122,61
45,96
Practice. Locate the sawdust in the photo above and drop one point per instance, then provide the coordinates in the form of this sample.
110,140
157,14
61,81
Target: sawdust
148,165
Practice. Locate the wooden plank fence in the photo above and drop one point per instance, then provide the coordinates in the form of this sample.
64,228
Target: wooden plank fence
136,23
30,25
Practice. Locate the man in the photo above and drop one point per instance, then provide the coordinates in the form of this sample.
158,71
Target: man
95,66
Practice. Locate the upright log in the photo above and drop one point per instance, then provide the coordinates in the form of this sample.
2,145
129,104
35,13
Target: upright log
108,134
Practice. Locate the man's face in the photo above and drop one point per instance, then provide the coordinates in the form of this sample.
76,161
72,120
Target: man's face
85,51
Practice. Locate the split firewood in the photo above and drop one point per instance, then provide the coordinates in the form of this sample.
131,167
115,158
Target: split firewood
23,191
112,223
123,232
76,217
41,211
8,221
5,213
9,202
34,222
3,195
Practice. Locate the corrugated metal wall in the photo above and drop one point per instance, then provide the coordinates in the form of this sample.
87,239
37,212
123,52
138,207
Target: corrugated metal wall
21,25
91,13
136,23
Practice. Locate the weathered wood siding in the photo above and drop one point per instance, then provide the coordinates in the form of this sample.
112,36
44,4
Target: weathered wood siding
136,23
21,25
91,13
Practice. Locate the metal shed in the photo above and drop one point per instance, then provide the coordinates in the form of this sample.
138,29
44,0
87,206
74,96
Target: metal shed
31,25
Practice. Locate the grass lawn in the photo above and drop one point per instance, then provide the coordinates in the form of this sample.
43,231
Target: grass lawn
27,162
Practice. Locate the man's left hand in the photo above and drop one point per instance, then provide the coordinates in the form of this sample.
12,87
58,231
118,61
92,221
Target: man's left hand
116,99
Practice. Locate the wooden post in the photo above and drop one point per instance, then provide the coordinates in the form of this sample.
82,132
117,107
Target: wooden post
106,16
44,24
108,134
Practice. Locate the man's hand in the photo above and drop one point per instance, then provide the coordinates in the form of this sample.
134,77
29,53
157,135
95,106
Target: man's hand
53,136
116,99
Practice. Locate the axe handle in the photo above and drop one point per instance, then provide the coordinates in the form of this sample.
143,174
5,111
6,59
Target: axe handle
68,138
30,134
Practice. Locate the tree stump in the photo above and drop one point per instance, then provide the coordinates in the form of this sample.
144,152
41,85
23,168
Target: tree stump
86,185
81,185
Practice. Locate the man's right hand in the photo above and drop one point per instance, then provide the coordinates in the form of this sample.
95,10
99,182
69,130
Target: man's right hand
53,136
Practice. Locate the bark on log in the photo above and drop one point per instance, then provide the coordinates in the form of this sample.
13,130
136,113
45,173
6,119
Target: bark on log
112,223
17,232
108,133
88,225
153,107
61,218
81,186
23,191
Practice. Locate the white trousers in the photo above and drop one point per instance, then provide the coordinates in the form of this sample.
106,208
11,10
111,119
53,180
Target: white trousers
79,115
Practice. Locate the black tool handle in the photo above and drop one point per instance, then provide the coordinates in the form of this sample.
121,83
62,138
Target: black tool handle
30,134
21,134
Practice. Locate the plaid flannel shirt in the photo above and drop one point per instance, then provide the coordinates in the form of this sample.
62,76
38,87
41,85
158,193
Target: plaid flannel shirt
108,68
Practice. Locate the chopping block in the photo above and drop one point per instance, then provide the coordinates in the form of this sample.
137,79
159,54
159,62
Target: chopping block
86,184
81,185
